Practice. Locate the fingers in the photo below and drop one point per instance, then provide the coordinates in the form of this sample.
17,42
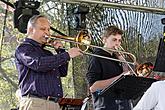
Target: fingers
57,44
74,52
126,73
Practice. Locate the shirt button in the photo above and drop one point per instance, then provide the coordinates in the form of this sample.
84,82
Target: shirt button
59,85
58,94
59,65
58,77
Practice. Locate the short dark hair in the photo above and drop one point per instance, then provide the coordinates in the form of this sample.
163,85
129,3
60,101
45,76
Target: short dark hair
112,30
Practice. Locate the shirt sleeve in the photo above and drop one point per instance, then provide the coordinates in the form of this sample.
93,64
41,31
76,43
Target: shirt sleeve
149,100
94,71
30,57
63,69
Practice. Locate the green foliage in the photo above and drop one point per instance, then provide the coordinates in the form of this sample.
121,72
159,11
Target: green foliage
144,50
7,96
74,84
67,82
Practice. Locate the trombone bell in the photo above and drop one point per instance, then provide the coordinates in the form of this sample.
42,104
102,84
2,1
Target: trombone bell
82,40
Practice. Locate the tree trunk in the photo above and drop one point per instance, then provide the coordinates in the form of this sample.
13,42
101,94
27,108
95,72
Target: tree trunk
79,72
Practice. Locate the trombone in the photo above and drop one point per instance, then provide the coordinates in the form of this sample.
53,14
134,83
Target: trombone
83,41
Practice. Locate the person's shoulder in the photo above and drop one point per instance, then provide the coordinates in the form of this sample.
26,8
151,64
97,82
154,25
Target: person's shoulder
99,51
24,46
96,51
158,84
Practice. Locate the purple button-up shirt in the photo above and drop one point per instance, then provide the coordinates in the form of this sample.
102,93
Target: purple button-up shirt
39,70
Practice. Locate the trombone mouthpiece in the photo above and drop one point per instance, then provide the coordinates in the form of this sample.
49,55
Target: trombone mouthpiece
49,40
46,36
116,48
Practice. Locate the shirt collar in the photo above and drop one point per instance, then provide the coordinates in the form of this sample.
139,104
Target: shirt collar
33,42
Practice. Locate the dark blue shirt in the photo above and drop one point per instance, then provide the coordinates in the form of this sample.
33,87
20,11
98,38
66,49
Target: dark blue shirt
39,70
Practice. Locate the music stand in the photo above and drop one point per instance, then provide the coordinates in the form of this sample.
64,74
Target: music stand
127,87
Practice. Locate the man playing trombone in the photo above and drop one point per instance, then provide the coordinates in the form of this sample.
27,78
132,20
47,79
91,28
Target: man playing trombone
102,72
40,70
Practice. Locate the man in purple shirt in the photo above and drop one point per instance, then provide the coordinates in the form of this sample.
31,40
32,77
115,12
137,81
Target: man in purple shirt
40,70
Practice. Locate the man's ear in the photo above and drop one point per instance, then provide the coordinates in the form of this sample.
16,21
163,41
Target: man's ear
30,30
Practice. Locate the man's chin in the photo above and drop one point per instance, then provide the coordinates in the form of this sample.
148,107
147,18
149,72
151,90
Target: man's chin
44,41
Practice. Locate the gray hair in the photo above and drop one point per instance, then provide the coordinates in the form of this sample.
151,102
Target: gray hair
32,21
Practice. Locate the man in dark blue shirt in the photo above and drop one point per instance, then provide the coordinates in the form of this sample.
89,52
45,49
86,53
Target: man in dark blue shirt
40,70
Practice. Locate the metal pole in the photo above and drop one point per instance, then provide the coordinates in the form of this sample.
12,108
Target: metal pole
116,5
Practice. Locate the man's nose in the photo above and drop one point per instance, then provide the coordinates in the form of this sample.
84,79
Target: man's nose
117,44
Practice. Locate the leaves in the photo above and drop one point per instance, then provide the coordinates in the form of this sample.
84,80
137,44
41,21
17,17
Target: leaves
142,34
